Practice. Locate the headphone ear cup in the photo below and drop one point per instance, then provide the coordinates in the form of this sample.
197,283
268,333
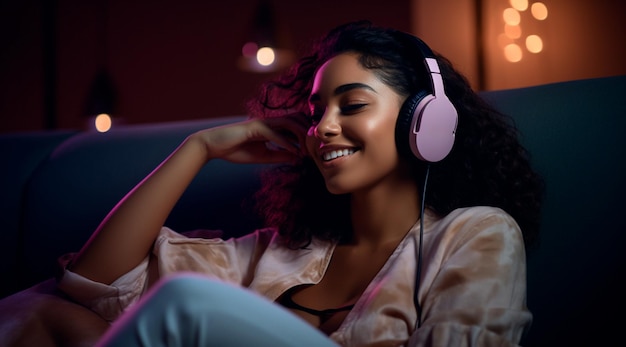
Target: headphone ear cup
426,127
404,130
433,137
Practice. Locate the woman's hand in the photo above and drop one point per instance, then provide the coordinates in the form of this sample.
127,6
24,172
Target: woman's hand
271,140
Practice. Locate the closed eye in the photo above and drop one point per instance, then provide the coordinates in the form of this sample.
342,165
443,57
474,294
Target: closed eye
352,108
316,115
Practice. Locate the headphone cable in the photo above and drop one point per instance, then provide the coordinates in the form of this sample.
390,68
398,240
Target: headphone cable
418,250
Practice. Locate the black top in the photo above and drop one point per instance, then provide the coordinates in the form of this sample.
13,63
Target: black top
324,315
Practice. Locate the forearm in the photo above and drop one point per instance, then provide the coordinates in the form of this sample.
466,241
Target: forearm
126,235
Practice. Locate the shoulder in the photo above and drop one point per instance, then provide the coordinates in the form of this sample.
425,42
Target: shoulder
477,224
262,236
478,215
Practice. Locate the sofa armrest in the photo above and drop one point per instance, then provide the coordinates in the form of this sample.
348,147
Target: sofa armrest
23,154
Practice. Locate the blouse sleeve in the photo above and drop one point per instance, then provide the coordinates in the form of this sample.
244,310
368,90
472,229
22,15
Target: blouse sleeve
477,296
230,260
108,301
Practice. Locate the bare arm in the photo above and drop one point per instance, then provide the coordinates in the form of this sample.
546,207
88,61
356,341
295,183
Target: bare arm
126,235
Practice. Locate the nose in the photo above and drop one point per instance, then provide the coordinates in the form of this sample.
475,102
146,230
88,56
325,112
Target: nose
328,126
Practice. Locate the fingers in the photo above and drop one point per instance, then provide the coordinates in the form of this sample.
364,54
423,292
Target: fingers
289,132
279,139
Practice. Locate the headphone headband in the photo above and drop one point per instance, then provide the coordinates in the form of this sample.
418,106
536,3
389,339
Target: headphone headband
427,119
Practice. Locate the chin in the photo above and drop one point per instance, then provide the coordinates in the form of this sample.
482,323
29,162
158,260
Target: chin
336,188
338,192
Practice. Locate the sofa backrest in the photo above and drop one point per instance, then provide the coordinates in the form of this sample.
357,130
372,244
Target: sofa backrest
575,134
85,176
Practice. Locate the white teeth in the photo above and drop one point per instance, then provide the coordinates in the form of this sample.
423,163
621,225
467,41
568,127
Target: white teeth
336,154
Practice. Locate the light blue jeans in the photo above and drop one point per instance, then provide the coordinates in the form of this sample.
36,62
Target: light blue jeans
190,310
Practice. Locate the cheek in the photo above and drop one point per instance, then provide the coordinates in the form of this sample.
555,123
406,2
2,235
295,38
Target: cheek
382,129
381,142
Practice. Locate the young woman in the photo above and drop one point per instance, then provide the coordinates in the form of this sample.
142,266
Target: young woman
399,216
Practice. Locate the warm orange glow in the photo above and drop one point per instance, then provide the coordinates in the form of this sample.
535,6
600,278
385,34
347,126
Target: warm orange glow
504,40
511,16
509,40
534,44
513,31
513,53
103,123
539,11
265,56
520,5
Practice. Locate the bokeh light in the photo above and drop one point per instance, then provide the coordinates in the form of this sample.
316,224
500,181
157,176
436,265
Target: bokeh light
520,5
510,39
539,11
513,31
511,16
513,53
249,49
534,44
265,56
103,122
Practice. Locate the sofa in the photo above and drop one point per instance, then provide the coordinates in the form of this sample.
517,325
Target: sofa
58,185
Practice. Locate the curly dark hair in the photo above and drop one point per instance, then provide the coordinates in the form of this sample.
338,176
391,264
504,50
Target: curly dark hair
487,165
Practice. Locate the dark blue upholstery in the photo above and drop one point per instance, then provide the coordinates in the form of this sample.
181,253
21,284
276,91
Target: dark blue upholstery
575,133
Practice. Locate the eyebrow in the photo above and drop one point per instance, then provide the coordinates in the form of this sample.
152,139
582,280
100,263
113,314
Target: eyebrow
342,89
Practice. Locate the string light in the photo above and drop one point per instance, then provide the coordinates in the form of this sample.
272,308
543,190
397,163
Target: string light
265,56
103,123
513,52
512,17
266,48
539,11
534,44
520,5
513,31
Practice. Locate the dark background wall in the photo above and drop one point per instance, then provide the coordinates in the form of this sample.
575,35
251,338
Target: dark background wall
168,59
172,60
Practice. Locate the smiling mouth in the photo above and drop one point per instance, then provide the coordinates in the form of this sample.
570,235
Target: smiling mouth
338,154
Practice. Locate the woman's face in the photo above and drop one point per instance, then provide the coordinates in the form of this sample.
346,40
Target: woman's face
352,136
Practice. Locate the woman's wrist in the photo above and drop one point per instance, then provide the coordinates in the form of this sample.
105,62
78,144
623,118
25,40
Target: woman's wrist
199,143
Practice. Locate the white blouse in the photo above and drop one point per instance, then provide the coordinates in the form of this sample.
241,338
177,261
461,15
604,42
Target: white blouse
472,289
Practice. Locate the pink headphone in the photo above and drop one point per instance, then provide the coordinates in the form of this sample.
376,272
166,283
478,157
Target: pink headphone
428,118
